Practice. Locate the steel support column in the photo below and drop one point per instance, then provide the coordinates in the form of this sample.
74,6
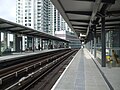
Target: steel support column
88,45
91,46
91,42
14,42
67,45
54,44
103,63
94,42
21,44
5,40
17,43
33,44
41,44
0,44
47,41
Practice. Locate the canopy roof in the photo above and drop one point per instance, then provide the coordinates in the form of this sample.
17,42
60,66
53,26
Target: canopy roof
81,15
6,25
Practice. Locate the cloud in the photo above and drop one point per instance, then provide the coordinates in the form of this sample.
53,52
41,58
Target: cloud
8,9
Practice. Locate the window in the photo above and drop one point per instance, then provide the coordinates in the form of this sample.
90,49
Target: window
29,24
29,20
29,10
39,9
18,21
29,13
18,13
25,17
29,3
39,2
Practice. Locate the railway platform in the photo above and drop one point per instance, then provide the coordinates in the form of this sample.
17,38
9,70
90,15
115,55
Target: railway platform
22,54
85,73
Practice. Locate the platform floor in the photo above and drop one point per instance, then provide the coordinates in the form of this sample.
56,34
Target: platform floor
85,73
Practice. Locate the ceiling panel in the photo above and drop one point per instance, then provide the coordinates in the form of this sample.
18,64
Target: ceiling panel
85,12
75,16
115,6
79,23
72,5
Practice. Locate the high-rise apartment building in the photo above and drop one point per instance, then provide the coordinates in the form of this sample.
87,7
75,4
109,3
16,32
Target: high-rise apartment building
59,22
40,15
33,13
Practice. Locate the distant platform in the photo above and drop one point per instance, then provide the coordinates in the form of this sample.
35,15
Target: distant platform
22,54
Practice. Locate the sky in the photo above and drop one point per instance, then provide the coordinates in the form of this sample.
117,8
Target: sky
8,9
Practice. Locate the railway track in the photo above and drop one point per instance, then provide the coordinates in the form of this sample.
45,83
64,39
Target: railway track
14,61
22,76
28,63
48,80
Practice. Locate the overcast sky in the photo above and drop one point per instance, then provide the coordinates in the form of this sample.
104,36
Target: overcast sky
8,9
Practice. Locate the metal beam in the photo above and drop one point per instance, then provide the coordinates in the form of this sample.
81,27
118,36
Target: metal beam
79,12
109,28
86,0
95,41
0,43
110,13
17,30
25,31
32,32
101,13
2,22
95,9
108,1
33,44
7,28
79,25
80,29
83,21
112,20
116,24
103,39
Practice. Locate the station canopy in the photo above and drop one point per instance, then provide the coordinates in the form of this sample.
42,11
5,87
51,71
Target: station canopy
8,26
82,15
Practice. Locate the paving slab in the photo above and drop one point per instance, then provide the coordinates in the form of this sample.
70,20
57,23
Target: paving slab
112,74
81,74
